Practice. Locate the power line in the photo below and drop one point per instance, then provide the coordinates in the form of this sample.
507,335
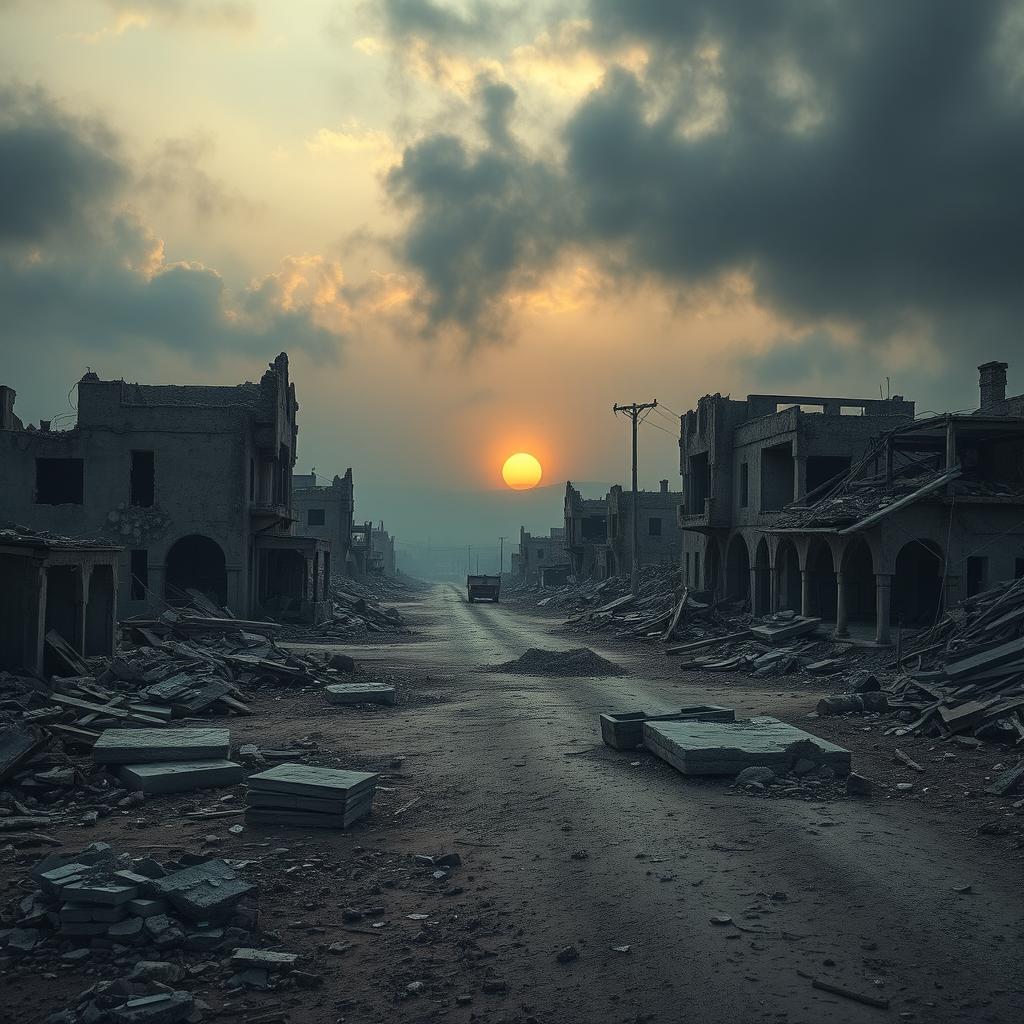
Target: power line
633,411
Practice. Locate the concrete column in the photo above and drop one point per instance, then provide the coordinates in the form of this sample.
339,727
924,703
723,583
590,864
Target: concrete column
799,477
755,608
82,611
805,593
775,579
842,625
883,607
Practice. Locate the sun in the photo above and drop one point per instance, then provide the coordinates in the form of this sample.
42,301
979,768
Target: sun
521,471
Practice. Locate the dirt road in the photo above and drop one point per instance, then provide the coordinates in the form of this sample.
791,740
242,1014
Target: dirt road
591,849
567,843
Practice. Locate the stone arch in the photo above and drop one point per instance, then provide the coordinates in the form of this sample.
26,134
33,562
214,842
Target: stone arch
196,562
917,584
737,569
787,565
821,579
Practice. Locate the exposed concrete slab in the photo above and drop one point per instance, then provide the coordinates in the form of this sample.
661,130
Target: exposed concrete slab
307,780
295,802
726,748
309,819
144,746
360,693
624,731
178,776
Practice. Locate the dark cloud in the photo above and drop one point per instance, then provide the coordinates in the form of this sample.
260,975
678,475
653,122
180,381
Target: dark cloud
52,167
861,162
78,270
483,221
438,22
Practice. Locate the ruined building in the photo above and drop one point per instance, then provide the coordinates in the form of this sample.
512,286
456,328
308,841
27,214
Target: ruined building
658,537
850,509
537,553
193,482
53,583
586,535
382,557
326,512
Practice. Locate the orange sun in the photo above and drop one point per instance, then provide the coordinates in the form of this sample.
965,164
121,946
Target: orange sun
521,471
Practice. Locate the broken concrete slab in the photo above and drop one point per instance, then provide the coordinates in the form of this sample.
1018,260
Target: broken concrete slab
784,630
15,746
726,748
179,776
360,693
203,892
624,731
308,819
165,1008
265,958
307,780
146,746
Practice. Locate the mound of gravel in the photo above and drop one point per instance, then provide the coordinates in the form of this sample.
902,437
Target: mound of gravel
581,661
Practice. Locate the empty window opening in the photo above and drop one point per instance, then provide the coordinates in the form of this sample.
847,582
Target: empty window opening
700,484
594,528
540,553
823,468
977,575
654,527
744,485
851,410
142,479
776,477
315,517
59,481
139,568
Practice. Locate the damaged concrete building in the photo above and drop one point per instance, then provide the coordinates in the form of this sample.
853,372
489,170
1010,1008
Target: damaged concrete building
194,482
658,536
852,510
326,512
538,553
55,583
586,535
382,556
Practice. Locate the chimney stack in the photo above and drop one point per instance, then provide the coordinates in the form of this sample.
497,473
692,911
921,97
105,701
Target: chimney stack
6,407
664,487
992,384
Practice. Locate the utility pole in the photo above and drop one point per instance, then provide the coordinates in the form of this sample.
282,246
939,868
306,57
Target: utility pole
501,555
633,411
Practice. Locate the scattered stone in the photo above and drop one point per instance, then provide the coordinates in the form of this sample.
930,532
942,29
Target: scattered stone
567,954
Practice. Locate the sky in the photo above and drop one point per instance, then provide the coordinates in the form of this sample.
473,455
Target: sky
476,226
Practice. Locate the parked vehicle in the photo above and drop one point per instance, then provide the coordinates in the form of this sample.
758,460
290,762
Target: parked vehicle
483,588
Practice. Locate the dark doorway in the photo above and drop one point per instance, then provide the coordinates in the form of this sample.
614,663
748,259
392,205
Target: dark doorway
859,582
788,563
822,580
99,612
917,586
763,578
196,562
63,597
713,565
737,570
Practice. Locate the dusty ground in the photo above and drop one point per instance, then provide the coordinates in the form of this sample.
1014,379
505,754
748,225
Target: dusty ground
567,843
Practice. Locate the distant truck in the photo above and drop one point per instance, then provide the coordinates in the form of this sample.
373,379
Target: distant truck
483,588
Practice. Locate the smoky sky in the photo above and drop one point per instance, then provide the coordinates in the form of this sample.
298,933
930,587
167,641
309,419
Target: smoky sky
859,161
80,268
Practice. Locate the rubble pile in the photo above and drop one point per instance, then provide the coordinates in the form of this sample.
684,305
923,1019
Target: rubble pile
580,661
357,616
967,674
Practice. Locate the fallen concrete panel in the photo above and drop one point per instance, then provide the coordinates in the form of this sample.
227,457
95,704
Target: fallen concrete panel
780,632
726,748
179,776
144,746
309,819
360,693
294,802
625,731
306,780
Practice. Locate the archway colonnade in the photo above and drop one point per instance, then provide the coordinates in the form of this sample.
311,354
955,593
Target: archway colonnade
841,579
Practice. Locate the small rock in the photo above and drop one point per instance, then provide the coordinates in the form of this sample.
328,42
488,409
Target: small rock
964,890
857,785
756,773
567,954
720,919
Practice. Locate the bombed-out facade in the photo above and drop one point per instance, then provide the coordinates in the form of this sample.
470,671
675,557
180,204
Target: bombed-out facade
194,483
326,512
852,510
538,553
658,536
